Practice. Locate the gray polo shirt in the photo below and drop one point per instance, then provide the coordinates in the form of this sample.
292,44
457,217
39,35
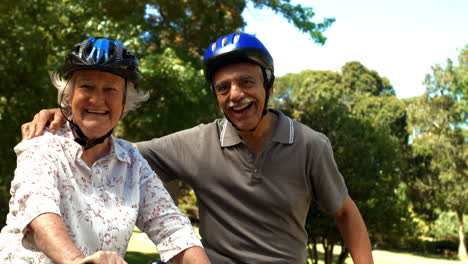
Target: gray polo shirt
252,209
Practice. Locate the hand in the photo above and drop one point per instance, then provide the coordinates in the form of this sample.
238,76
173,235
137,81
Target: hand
101,257
36,126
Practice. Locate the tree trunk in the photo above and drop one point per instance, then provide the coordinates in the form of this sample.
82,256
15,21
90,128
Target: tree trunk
461,235
312,248
315,252
328,248
343,255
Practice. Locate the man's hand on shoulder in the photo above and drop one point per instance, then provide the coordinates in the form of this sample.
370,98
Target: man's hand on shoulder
36,126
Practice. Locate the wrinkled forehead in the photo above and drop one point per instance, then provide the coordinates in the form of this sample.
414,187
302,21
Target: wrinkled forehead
238,70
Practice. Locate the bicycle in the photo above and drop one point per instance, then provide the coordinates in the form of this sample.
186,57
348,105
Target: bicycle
150,262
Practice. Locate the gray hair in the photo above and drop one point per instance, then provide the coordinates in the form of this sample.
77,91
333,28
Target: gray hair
133,98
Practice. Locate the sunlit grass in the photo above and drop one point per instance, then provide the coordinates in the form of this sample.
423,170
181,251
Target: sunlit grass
389,257
141,250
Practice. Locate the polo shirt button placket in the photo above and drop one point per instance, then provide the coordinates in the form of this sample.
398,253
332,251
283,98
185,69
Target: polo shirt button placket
255,176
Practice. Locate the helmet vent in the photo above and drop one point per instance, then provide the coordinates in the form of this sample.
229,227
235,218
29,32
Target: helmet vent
224,42
102,54
236,39
236,48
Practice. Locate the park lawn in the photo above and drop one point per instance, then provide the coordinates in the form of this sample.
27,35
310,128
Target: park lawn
389,257
141,250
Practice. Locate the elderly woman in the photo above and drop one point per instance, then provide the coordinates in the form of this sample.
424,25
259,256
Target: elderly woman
77,195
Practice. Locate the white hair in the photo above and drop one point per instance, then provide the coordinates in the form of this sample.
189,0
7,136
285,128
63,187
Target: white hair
133,97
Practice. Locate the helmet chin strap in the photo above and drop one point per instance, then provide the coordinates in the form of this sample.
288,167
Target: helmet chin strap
83,140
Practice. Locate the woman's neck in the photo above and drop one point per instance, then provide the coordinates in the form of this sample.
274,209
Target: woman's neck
98,151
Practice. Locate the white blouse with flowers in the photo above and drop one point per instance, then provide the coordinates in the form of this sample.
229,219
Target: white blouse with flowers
99,205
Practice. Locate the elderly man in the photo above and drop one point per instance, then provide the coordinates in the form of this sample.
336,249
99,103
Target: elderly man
256,171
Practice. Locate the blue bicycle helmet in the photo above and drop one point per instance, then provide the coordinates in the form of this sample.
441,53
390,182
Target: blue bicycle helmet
236,48
102,54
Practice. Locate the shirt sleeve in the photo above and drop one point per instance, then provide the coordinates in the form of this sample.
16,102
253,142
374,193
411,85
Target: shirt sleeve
328,183
159,157
172,156
158,216
34,189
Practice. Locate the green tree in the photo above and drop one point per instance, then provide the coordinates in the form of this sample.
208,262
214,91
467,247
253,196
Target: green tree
168,35
356,77
357,109
35,36
438,121
445,227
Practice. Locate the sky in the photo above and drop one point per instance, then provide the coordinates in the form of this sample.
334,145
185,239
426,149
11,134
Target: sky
400,39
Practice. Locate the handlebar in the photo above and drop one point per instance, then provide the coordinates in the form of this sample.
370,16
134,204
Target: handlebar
150,262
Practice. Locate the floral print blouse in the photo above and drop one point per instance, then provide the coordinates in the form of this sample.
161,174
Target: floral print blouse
99,205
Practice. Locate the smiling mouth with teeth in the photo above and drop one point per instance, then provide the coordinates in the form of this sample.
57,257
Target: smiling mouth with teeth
241,107
97,112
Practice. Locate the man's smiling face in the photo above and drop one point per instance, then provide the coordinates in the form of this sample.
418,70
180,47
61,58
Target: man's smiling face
241,94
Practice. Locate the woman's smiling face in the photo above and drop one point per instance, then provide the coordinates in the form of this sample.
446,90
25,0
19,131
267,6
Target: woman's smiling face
97,102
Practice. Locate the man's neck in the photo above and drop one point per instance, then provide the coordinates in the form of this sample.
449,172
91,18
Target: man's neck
258,138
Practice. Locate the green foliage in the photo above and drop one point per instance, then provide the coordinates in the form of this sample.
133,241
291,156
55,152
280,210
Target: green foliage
36,36
438,123
445,227
180,98
357,78
366,124
445,248
187,203
169,36
439,138
300,16
138,257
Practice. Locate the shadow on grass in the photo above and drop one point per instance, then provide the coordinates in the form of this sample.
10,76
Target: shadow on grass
447,255
133,257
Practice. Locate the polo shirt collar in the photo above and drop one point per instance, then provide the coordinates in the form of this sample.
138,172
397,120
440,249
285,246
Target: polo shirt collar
284,131
228,136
